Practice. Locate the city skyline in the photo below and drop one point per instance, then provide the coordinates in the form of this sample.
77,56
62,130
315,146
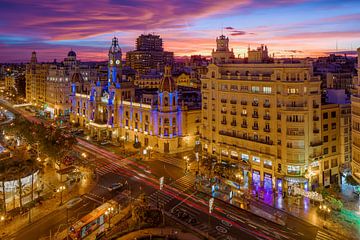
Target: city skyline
187,27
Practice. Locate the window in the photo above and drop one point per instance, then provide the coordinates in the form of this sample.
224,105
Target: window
333,138
245,157
333,126
267,164
325,127
334,162
255,89
333,114
325,115
326,164
267,90
333,149
293,170
224,87
326,138
256,159
326,150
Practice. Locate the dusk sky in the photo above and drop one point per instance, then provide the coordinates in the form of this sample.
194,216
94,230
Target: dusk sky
52,28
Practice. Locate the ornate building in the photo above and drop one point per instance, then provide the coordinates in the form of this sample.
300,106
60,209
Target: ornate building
115,110
355,121
262,119
58,83
36,81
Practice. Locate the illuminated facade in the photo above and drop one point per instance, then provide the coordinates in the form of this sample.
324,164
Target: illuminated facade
355,121
58,83
36,81
114,110
263,117
9,83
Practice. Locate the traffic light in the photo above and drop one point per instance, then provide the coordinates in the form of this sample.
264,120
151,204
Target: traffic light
279,167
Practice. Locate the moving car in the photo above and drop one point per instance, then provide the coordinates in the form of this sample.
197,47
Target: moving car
115,186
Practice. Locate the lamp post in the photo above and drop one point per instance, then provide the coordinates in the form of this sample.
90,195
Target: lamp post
2,219
186,158
325,210
60,190
123,138
109,211
149,148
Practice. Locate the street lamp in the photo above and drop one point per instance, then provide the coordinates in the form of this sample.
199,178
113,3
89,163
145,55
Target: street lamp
186,158
123,138
84,155
149,148
108,213
325,210
60,190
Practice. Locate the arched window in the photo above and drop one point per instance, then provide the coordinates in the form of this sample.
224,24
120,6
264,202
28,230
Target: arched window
213,74
166,101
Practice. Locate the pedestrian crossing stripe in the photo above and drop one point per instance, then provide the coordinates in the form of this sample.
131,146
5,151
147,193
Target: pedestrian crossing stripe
320,235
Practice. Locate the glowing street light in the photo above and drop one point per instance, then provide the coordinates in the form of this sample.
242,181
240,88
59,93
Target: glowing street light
60,190
186,158
108,213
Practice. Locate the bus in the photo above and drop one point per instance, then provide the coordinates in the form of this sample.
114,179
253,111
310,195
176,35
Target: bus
90,222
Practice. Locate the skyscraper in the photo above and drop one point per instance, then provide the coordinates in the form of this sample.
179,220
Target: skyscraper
149,54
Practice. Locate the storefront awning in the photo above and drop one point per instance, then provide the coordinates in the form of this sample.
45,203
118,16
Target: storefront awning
296,179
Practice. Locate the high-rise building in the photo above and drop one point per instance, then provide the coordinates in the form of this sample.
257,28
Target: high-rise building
149,42
149,54
258,119
355,121
35,76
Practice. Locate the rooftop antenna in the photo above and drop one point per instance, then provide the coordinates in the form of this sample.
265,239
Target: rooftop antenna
336,46
222,29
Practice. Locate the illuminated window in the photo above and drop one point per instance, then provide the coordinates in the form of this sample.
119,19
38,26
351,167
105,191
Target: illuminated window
256,159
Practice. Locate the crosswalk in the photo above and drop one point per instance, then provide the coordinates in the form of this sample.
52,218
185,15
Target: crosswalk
105,167
323,236
159,198
184,183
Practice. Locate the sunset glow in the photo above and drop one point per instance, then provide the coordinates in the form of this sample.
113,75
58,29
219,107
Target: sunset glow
304,28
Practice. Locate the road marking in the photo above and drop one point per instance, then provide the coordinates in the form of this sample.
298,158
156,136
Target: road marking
252,226
221,229
226,223
181,202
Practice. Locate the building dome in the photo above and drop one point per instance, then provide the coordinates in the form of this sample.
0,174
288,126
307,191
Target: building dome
71,54
77,77
167,83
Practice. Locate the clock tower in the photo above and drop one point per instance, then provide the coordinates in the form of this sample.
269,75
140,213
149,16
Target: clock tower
222,54
114,65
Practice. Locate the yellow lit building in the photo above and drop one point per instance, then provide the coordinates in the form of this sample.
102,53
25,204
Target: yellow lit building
35,76
355,121
261,116
9,83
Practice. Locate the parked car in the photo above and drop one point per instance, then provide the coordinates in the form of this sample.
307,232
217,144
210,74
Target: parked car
104,143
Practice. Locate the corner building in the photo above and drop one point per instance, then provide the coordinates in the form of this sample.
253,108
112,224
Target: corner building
115,110
261,117
355,120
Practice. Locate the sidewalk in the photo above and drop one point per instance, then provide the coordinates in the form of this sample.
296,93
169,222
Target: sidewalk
266,204
47,206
